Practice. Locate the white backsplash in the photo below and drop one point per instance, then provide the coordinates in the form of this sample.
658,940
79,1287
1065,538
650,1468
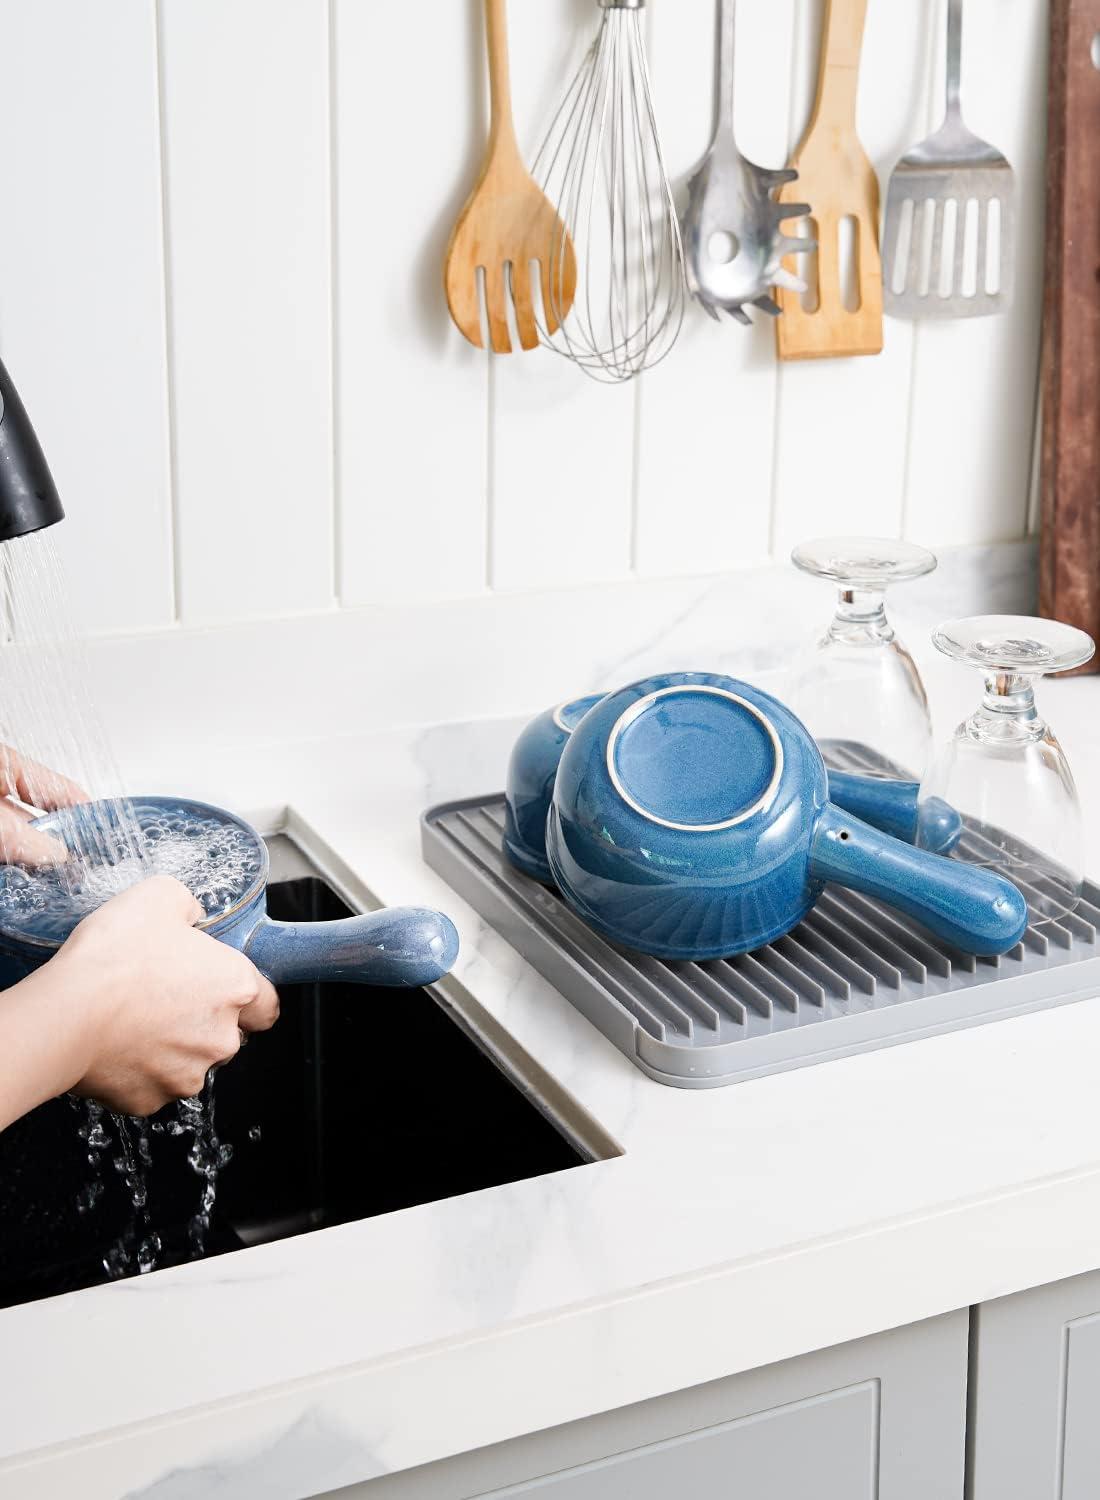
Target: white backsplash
220,297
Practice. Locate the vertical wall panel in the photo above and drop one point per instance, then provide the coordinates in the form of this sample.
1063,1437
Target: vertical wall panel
563,445
452,469
82,293
246,116
412,394
706,437
976,379
843,423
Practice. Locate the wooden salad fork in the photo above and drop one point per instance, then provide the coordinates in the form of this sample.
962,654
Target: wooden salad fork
506,224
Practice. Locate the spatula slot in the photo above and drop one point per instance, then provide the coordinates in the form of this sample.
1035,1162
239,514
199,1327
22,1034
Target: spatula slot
897,271
924,240
946,248
948,263
806,264
992,257
966,272
848,262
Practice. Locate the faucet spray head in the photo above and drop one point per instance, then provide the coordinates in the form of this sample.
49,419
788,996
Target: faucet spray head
28,496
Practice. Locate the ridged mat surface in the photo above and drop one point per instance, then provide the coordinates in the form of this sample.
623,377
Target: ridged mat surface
851,956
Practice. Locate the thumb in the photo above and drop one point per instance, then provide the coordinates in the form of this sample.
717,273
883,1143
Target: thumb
168,895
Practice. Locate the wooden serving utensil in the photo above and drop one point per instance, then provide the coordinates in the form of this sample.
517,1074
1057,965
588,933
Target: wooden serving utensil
507,222
836,177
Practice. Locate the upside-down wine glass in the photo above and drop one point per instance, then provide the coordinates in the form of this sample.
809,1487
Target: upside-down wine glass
859,687
1003,769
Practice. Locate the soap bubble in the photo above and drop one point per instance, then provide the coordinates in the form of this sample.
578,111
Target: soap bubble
217,860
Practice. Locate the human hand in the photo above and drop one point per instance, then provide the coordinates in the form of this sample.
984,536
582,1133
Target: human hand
157,1002
36,786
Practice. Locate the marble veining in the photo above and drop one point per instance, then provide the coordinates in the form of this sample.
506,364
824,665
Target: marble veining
314,1451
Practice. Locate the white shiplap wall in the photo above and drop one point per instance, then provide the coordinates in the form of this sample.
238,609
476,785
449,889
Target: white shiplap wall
220,296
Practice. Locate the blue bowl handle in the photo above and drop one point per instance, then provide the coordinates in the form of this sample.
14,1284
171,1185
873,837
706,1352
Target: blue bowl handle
892,806
970,908
400,945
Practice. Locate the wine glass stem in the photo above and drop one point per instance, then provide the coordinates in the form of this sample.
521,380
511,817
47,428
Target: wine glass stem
1010,693
1008,708
861,612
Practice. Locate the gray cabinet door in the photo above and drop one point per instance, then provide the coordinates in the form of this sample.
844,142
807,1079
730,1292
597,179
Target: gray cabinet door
880,1419
1036,1394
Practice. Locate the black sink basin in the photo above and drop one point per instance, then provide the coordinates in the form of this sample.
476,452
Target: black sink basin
358,1102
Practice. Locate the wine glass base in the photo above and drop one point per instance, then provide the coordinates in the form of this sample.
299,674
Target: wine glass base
861,562
1024,645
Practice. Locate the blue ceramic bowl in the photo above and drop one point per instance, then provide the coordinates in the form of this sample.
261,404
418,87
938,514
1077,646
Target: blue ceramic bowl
691,820
394,946
529,790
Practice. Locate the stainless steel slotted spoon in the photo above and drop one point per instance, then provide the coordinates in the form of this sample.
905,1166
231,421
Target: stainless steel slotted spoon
733,243
963,267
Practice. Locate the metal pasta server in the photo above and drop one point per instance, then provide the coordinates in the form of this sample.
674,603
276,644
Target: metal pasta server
733,243
692,820
399,945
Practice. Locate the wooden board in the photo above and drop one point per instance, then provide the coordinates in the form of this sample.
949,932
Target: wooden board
1070,546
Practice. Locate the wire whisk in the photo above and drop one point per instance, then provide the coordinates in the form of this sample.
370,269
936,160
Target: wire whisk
601,164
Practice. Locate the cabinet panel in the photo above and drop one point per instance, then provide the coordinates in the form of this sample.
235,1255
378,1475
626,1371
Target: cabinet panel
1035,1377
826,1446
879,1419
1081,1442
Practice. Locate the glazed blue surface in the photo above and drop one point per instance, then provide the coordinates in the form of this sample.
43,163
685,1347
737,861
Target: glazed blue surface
892,806
394,946
399,945
530,784
678,750
529,790
968,907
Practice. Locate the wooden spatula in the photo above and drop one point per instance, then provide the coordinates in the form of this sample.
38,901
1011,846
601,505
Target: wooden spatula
838,181
505,225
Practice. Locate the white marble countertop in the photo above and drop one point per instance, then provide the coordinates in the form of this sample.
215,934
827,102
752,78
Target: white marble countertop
738,1225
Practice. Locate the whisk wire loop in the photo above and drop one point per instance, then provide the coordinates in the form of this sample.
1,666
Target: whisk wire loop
601,162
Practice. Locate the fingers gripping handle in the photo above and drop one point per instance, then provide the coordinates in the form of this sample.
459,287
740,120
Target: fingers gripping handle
400,945
970,908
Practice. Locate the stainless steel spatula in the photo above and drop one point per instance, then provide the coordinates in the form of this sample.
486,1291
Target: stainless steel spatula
948,248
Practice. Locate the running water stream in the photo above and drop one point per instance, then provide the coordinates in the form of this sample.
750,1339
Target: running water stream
48,717
52,737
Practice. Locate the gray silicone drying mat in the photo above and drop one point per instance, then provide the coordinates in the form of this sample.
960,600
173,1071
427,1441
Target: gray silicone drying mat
854,975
